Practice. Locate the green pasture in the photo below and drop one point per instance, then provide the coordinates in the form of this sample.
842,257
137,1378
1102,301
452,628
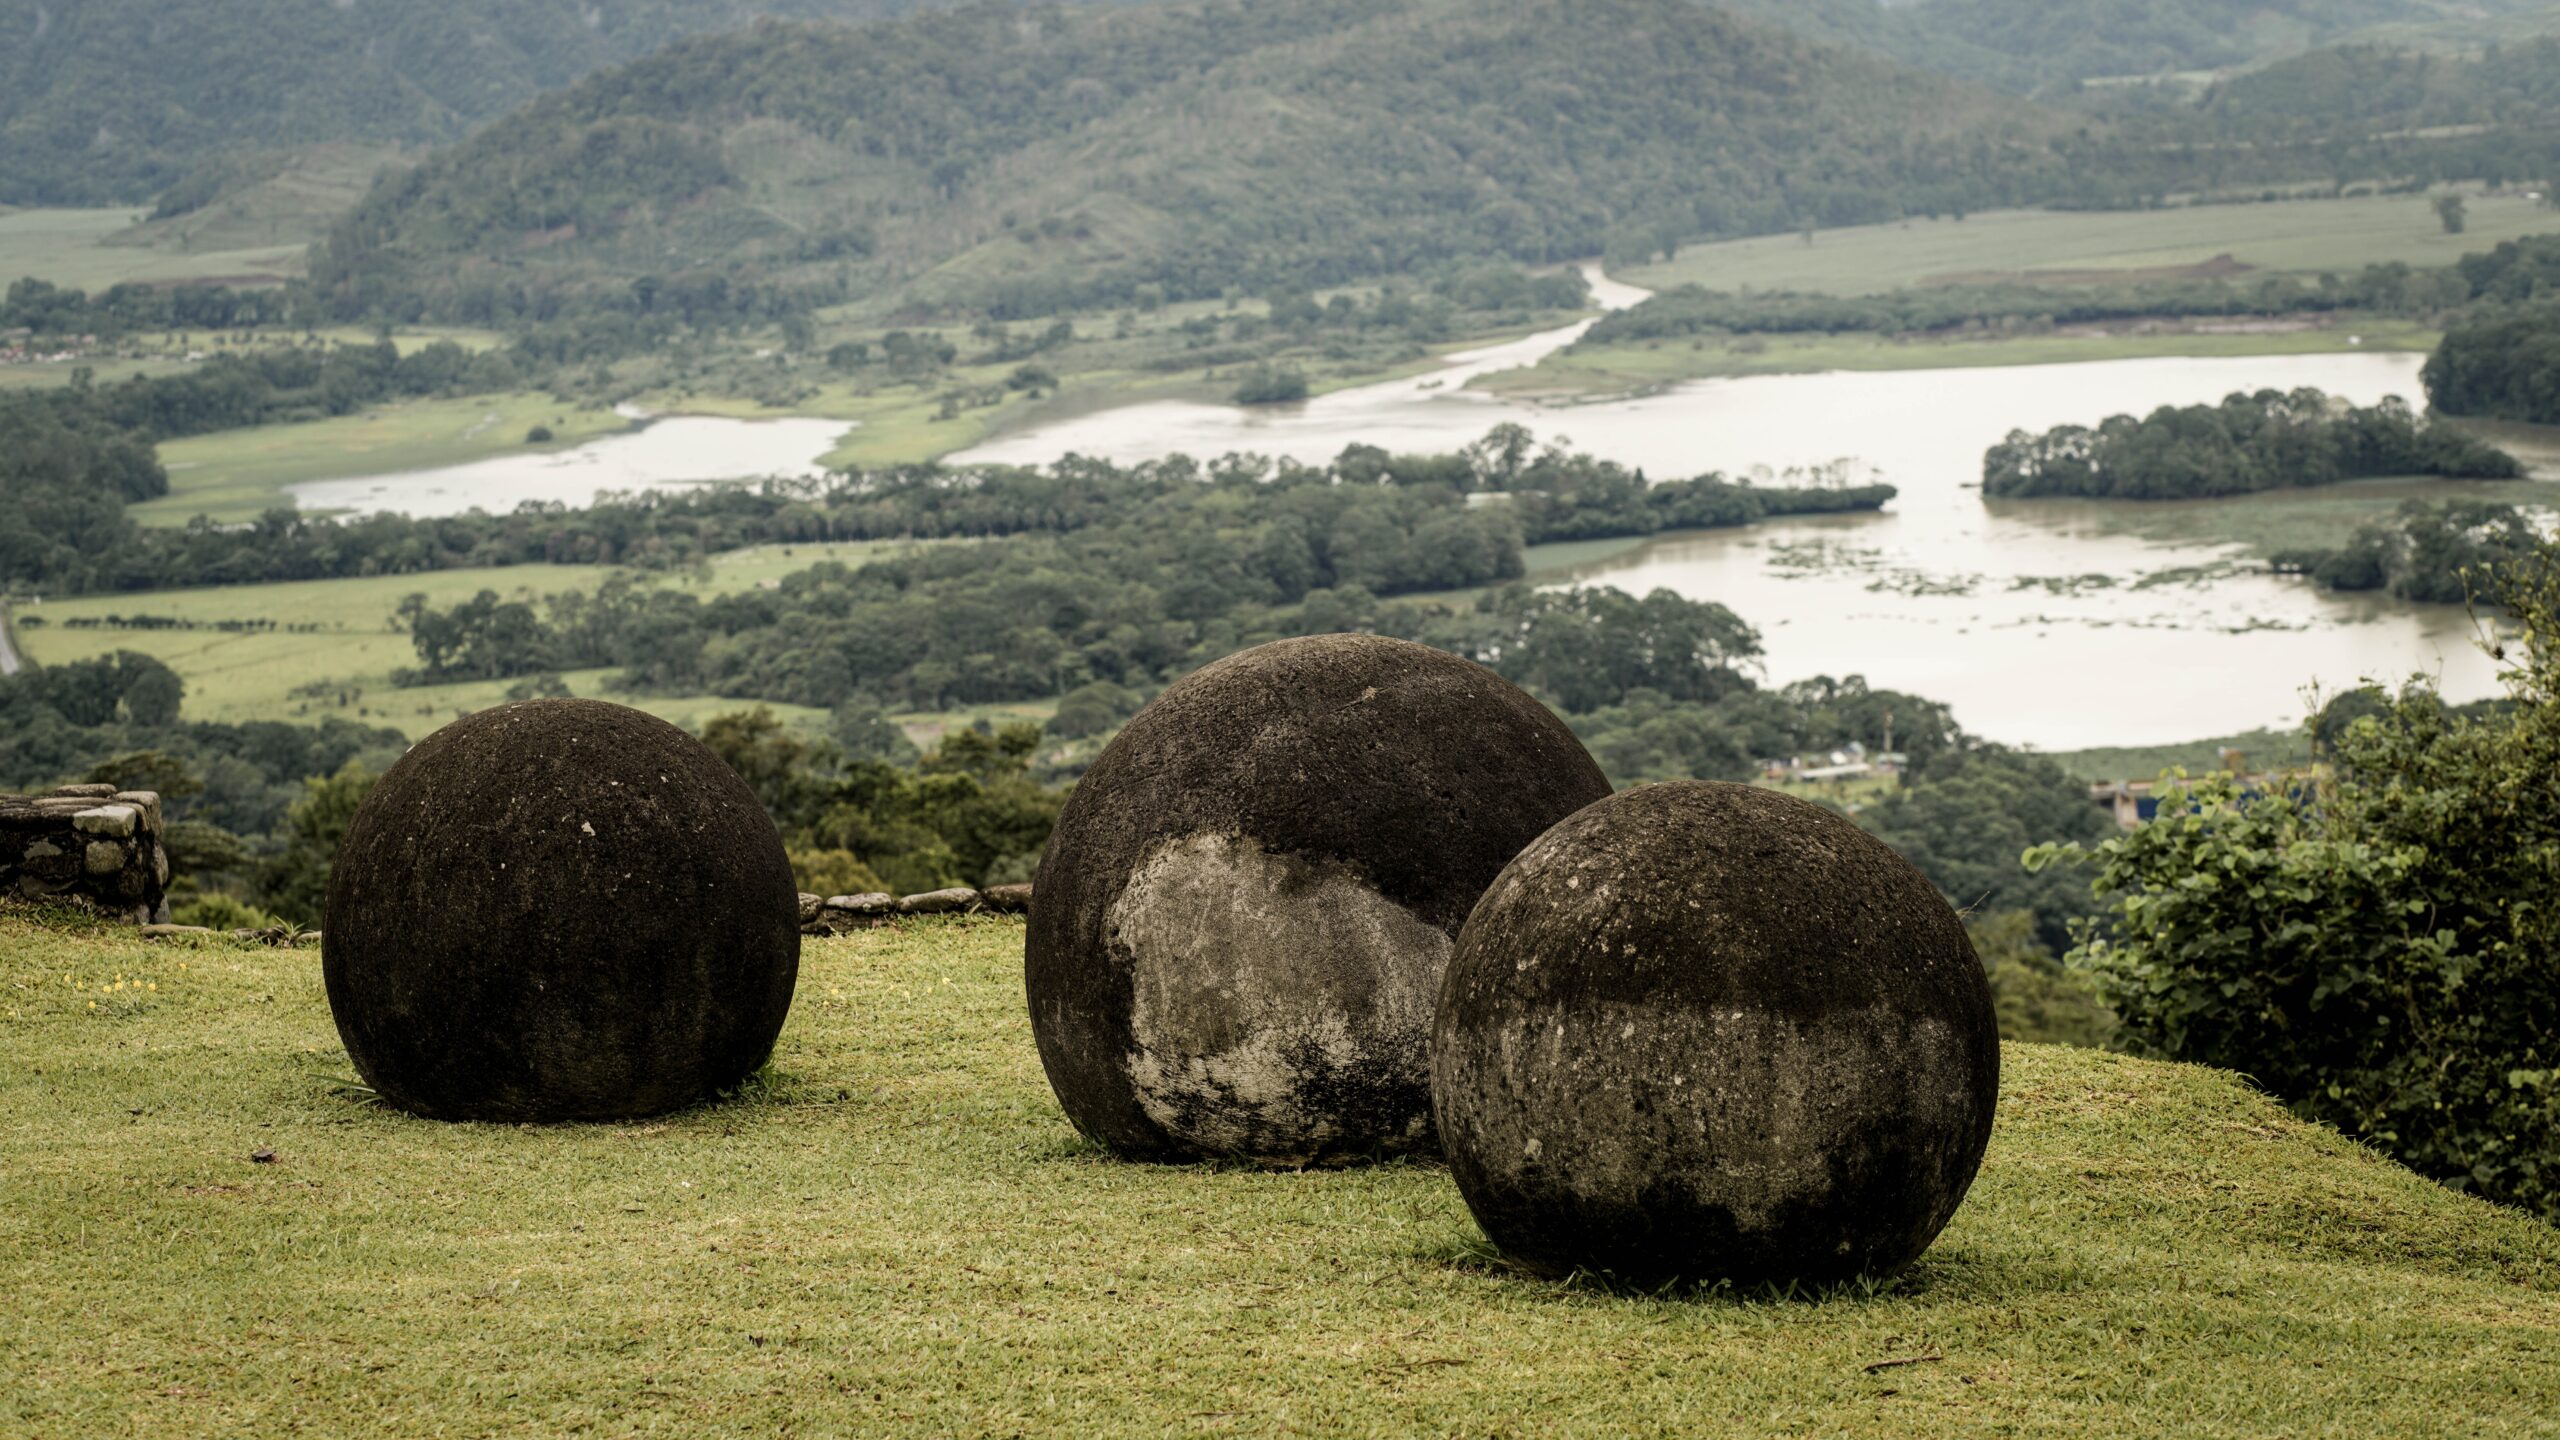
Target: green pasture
342,663
2321,517
233,475
1587,372
893,1231
2062,246
72,249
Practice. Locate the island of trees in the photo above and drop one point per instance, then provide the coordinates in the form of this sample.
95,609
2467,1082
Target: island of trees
2262,441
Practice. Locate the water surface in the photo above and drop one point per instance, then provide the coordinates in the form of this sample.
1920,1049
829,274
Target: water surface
660,454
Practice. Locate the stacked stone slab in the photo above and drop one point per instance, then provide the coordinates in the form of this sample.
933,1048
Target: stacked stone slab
93,847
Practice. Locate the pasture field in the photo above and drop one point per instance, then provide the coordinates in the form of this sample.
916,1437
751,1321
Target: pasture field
2060,247
893,1231
1595,371
344,666
234,475
72,249
2260,749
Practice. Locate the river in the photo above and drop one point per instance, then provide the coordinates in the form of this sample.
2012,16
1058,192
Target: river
1989,608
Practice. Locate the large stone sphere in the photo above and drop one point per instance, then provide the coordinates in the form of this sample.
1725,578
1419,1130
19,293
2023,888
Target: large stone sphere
559,910
1706,1032
1238,930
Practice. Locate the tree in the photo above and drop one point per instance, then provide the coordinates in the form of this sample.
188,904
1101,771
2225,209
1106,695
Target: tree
295,884
2451,212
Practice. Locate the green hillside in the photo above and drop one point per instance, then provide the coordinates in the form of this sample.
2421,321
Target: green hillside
896,1233
2041,46
1031,161
105,101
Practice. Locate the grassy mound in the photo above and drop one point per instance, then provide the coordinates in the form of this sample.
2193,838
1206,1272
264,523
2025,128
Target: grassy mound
896,1232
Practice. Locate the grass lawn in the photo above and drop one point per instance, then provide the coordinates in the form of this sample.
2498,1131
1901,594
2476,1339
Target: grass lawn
2295,235
233,475
344,668
899,1234
1588,371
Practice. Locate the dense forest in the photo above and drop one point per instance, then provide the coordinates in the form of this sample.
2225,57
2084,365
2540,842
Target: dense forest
2248,443
105,101
2501,361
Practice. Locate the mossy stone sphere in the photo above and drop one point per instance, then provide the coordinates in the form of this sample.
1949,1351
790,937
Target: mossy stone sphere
1238,929
559,910
1704,1032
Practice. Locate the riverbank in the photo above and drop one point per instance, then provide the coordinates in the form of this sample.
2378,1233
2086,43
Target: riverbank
1585,373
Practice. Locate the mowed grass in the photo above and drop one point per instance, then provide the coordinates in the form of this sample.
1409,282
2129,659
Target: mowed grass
1592,370
2291,235
71,248
344,666
899,1234
234,475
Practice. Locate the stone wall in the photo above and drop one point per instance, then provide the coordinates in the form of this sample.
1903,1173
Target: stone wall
837,914
91,846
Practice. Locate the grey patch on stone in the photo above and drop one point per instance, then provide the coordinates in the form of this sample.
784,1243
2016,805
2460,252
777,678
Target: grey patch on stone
160,864
87,792
862,907
107,820
105,857
809,906
939,902
146,801
1007,899
1263,986
42,850
171,932
1412,772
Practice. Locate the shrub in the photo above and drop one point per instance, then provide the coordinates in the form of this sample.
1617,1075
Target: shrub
2379,947
1272,385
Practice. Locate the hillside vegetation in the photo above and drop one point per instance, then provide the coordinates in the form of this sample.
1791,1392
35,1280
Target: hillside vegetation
1031,160
895,1232
107,101
2041,45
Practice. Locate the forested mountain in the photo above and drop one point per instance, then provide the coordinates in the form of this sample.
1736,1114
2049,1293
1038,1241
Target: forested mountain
112,100
1029,158
2045,46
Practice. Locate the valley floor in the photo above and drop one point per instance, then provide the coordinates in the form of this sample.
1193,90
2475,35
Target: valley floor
897,1233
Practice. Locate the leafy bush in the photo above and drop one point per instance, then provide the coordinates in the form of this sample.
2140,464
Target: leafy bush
2379,947
1272,385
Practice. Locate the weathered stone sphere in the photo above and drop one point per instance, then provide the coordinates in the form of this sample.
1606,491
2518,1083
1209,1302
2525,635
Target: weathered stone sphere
1238,929
559,910
1706,1032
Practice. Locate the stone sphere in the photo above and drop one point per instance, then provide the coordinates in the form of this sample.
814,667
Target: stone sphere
559,910
1238,930
1706,1032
